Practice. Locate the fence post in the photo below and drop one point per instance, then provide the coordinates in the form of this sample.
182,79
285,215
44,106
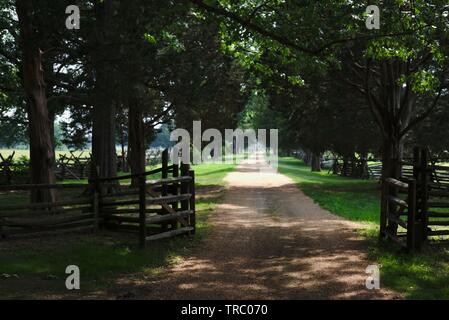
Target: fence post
165,166
62,158
164,171
142,212
412,241
175,191
164,187
185,168
192,219
424,169
420,186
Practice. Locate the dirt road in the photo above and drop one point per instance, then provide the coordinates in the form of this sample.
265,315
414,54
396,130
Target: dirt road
270,241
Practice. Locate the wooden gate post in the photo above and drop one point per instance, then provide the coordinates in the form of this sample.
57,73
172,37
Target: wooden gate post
417,174
192,218
165,164
164,171
142,212
412,242
424,193
175,191
164,187
185,168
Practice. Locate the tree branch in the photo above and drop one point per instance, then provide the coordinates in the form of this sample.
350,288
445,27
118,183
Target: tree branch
283,40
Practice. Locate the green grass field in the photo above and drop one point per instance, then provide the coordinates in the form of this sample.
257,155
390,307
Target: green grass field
26,153
105,256
420,276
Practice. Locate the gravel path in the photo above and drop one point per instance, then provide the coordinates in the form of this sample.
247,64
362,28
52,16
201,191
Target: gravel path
270,241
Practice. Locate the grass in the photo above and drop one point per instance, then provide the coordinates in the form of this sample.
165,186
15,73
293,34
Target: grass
354,199
419,276
210,174
26,153
104,257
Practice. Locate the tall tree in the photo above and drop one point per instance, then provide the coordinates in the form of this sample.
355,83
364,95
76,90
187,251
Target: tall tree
41,147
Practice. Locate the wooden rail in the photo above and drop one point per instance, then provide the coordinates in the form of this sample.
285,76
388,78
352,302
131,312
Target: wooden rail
72,166
428,187
155,209
393,207
13,171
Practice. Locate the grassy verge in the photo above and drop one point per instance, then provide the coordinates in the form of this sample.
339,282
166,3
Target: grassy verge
419,276
103,257
353,199
26,153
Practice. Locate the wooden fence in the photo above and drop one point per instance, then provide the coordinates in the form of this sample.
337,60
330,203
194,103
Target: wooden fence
153,209
78,211
71,166
153,156
5,168
394,208
430,205
13,171
433,183
356,168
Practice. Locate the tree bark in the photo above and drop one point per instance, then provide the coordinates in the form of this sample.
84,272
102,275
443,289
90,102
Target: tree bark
103,139
344,169
307,157
316,163
364,168
391,158
51,120
354,171
41,146
136,144
104,112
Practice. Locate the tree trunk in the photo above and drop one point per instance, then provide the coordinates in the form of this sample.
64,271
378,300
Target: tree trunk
103,140
345,167
364,168
51,119
104,154
391,168
307,157
136,144
41,147
316,163
391,158
354,171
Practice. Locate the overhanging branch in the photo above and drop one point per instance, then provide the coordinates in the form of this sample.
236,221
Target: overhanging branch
247,23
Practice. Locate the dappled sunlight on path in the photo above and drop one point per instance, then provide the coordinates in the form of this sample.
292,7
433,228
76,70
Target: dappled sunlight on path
270,241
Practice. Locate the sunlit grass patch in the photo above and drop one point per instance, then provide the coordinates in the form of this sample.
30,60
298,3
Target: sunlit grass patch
354,199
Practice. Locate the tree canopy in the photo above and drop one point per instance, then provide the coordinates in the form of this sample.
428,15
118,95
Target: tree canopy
312,69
